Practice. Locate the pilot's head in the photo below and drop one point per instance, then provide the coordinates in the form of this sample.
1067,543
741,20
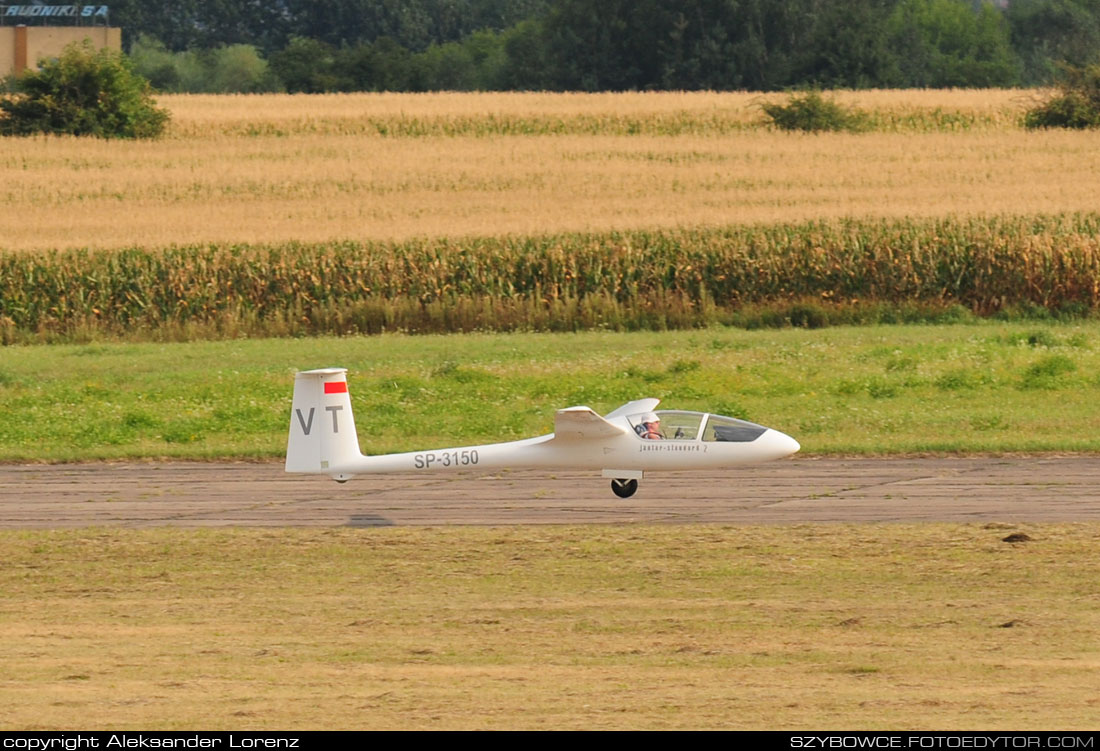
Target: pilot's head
651,420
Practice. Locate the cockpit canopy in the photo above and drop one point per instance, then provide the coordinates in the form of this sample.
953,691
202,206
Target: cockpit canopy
676,425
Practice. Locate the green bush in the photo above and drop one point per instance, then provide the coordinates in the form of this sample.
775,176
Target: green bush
1075,103
84,92
813,112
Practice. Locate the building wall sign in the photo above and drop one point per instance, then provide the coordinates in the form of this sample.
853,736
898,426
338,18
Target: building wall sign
53,11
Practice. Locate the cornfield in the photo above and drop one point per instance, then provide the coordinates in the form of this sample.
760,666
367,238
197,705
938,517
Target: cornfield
795,274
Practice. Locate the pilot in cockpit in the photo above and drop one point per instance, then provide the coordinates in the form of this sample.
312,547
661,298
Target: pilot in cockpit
649,427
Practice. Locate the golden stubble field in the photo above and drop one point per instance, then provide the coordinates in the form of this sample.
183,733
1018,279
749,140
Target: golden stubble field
931,626
278,168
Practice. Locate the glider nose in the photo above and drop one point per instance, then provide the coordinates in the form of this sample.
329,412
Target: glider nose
780,444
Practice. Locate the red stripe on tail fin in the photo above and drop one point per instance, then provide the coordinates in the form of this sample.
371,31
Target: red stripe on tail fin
336,387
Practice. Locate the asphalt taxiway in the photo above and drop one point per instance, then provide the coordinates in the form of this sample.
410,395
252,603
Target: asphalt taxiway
188,494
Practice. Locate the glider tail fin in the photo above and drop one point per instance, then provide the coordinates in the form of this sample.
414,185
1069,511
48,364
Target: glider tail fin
322,430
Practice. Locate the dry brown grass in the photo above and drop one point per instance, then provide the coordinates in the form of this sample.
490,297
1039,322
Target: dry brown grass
818,626
319,170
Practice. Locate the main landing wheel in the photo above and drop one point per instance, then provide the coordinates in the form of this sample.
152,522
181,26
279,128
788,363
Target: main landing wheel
624,488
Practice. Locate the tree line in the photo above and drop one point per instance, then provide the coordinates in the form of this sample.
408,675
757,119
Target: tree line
601,45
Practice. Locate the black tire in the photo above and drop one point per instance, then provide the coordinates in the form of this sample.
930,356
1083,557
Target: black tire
624,488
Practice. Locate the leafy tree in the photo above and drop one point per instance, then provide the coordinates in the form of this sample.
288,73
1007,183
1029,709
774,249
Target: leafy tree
237,68
847,47
771,36
446,67
271,25
698,49
401,45
526,67
204,24
382,66
943,43
152,60
490,57
689,44
1075,104
413,24
1045,32
310,66
609,45
477,63
84,92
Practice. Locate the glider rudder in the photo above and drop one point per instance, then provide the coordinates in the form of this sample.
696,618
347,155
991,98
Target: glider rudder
322,430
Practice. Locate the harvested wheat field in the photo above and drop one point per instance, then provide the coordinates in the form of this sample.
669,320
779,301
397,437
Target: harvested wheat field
277,168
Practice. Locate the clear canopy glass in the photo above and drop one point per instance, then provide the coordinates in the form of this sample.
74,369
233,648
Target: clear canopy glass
677,425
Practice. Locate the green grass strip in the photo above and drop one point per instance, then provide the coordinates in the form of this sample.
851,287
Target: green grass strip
990,386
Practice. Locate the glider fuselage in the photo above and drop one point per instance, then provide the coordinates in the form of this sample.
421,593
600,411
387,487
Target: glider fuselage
323,440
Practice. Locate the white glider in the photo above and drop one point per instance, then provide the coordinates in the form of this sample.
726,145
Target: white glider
323,440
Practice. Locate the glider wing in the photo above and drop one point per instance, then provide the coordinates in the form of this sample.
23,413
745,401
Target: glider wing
581,423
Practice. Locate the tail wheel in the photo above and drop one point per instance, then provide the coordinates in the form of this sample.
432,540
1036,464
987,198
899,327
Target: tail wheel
624,488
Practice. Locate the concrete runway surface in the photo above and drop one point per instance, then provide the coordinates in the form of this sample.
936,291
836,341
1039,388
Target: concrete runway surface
186,494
